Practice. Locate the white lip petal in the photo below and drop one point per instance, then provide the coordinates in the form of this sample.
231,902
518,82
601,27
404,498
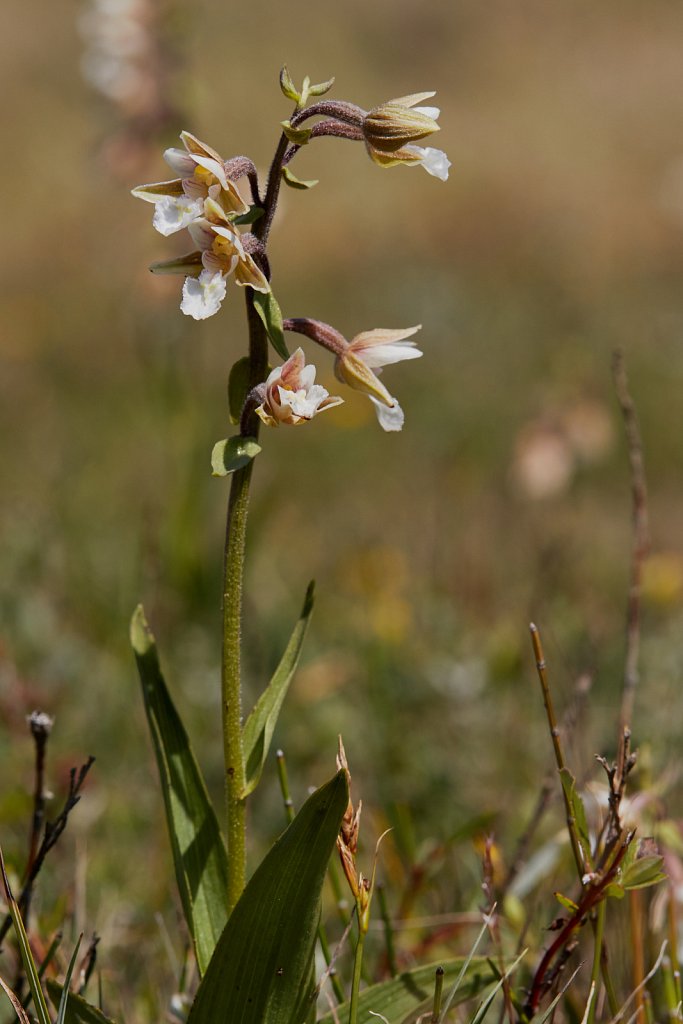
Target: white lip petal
202,296
173,213
434,161
390,419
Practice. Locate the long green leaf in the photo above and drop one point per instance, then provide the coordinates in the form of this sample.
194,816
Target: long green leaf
29,964
260,725
199,856
410,995
64,1001
261,970
78,1009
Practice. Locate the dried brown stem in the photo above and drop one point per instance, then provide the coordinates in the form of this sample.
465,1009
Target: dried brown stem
640,543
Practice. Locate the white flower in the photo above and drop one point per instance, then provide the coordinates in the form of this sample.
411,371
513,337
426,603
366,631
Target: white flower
220,252
201,176
370,351
291,394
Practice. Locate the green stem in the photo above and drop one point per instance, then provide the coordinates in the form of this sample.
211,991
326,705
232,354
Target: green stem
357,968
231,675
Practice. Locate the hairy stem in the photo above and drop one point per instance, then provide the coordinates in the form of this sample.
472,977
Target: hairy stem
231,672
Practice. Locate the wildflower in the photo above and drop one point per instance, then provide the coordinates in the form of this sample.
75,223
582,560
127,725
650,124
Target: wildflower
370,351
291,395
221,252
201,176
391,130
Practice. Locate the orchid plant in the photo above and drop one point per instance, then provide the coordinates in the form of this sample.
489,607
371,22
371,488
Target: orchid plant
228,214
229,234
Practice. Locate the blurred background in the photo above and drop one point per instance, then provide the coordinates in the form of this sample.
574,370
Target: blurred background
558,238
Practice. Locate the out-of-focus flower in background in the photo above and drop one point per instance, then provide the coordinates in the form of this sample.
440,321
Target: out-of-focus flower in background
549,450
127,60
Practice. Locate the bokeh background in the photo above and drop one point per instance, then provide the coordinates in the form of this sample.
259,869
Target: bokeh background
558,238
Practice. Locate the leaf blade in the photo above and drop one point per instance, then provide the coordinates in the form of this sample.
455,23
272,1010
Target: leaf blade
260,725
267,307
199,855
260,971
409,995
29,964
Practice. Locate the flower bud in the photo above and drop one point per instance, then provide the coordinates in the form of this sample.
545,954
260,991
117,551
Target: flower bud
391,125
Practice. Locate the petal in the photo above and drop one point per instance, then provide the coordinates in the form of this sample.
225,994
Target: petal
247,273
158,190
384,355
180,162
202,233
390,419
434,161
432,112
366,342
202,296
190,265
416,97
193,145
173,213
214,167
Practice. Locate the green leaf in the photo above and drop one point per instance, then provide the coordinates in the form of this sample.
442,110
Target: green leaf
261,970
643,872
199,856
287,85
320,88
233,453
578,814
299,136
484,1008
291,179
78,1010
566,902
66,994
267,308
260,725
29,964
410,995
253,214
238,387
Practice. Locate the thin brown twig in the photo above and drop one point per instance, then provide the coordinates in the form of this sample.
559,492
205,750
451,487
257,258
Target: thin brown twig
640,543
52,831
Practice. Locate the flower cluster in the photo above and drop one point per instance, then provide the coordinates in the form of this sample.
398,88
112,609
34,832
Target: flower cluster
204,200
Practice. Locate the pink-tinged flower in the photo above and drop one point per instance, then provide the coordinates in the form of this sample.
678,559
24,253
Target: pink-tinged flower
179,202
291,394
220,252
391,130
370,351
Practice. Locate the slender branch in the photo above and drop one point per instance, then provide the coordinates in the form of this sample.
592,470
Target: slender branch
53,830
40,725
557,745
640,543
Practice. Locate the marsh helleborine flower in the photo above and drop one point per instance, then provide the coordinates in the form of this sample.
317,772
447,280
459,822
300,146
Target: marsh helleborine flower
201,175
370,351
392,129
291,394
